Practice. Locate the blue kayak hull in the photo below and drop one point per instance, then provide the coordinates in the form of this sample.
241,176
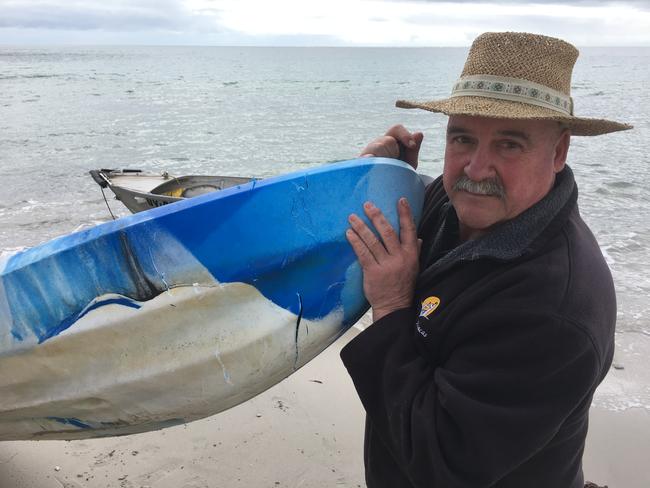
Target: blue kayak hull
183,311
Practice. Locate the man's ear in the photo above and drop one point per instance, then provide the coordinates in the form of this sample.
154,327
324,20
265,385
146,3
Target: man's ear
561,150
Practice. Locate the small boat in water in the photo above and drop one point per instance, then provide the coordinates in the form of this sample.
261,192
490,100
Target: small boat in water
139,190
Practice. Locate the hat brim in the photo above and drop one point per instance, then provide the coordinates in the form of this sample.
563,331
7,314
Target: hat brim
505,109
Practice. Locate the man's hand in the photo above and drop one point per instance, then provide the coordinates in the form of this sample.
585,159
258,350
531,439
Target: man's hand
397,143
390,265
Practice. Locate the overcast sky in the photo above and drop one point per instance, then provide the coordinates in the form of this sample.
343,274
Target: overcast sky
318,22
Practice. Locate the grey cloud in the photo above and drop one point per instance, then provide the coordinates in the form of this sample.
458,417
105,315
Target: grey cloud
521,21
574,30
96,15
642,4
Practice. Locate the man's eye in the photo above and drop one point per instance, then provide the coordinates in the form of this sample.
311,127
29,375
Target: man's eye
462,140
510,145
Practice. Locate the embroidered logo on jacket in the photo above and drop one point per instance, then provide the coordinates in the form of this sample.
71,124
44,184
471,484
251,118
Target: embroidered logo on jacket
428,306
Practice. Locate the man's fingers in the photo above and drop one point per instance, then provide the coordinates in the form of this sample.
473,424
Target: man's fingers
409,143
374,245
411,151
408,231
401,135
385,230
389,242
397,143
385,146
364,255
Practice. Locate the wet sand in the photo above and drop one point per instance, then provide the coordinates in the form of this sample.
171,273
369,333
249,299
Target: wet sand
618,448
305,432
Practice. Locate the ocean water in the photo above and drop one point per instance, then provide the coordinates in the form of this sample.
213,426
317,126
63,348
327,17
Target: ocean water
266,111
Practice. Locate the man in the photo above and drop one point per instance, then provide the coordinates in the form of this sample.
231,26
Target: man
491,332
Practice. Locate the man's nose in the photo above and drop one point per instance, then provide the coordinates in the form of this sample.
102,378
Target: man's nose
479,165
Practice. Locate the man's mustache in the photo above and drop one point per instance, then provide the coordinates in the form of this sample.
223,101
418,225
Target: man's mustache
489,186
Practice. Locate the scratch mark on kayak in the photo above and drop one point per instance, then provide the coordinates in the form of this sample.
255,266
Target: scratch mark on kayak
226,375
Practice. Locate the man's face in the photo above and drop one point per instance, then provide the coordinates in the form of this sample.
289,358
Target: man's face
497,168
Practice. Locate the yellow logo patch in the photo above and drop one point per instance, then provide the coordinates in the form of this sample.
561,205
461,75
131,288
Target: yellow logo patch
429,305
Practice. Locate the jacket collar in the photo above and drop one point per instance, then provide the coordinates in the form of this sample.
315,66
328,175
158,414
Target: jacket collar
511,239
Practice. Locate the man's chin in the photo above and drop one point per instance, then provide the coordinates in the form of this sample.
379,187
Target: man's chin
475,221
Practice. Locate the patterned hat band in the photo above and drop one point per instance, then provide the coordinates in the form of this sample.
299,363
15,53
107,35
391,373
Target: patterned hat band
514,90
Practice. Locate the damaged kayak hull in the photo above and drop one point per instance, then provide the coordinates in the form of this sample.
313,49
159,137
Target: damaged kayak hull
183,311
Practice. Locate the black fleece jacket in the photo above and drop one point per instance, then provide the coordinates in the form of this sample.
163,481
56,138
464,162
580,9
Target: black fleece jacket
486,381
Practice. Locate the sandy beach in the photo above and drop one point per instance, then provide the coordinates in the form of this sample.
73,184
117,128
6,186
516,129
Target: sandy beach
305,432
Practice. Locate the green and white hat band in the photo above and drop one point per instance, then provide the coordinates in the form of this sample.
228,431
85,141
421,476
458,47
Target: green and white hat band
514,90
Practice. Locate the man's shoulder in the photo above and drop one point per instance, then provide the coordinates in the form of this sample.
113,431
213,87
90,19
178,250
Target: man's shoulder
569,279
590,298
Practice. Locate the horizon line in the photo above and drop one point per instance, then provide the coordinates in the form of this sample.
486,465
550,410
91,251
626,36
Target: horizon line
266,46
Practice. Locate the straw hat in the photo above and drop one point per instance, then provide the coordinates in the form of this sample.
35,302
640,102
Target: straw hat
516,75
